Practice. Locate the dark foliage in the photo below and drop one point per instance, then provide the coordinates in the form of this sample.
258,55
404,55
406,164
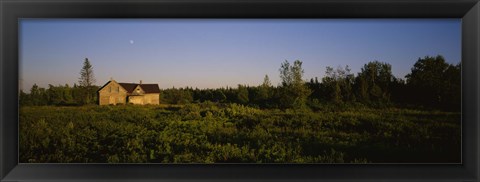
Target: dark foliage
224,133
371,117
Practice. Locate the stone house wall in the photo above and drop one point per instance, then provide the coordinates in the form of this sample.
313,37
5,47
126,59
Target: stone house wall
113,93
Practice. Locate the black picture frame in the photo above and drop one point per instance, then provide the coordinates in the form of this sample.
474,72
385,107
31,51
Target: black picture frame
467,10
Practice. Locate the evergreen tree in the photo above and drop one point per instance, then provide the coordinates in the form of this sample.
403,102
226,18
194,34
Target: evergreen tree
86,82
87,78
263,94
242,94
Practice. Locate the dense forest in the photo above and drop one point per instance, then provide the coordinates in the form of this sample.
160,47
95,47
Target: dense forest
431,84
370,117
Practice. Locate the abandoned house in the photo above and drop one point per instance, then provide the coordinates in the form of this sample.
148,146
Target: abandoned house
121,93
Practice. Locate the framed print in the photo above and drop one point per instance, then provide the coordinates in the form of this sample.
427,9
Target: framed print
245,91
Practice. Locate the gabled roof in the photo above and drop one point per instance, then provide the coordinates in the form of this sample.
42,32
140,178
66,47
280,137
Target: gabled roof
148,88
130,87
104,85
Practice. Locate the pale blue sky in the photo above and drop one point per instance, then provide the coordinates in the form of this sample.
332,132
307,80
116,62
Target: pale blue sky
212,53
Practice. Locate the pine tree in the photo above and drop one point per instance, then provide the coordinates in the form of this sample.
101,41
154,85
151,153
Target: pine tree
86,82
86,74
264,92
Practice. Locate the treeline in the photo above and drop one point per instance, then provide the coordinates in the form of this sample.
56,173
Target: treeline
61,95
432,84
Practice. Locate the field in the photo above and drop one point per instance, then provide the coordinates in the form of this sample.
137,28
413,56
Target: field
232,133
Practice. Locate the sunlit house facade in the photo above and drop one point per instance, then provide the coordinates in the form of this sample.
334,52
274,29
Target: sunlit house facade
113,93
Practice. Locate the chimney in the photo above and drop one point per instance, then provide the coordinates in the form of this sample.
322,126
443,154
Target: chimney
140,82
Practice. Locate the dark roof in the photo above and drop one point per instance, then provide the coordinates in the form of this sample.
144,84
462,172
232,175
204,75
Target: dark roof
148,88
128,86
104,86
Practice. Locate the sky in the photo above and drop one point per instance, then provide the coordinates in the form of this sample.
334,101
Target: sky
213,53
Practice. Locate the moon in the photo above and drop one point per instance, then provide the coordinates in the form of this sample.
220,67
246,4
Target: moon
131,42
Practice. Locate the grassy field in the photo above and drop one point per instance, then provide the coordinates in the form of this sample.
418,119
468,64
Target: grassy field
231,133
